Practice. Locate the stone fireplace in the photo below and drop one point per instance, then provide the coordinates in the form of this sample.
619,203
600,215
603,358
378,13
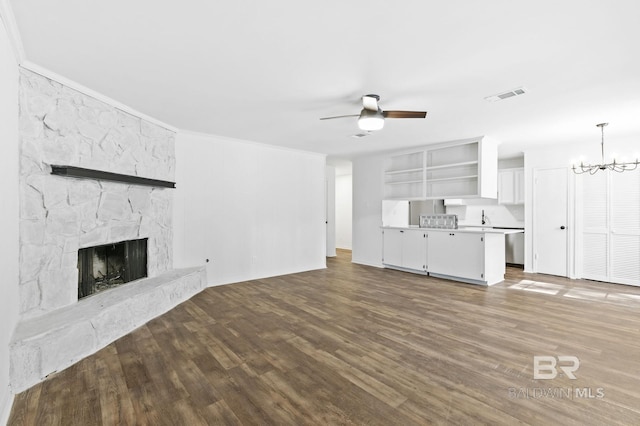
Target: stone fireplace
65,221
61,215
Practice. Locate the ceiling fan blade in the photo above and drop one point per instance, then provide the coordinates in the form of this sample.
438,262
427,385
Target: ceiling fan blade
340,116
370,102
404,114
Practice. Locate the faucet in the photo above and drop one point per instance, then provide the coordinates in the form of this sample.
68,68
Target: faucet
484,220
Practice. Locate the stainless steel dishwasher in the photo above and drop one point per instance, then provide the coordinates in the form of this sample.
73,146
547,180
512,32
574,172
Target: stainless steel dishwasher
514,247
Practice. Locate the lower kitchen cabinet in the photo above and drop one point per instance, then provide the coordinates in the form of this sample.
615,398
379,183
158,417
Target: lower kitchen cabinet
457,254
405,248
462,255
392,246
470,257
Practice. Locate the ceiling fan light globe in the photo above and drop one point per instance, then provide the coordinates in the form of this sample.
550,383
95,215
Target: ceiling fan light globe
370,120
371,123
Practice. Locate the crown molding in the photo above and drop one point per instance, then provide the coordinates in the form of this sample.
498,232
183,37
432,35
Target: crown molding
9,20
47,73
247,142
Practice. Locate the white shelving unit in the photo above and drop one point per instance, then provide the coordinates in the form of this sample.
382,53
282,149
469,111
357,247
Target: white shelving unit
404,176
463,169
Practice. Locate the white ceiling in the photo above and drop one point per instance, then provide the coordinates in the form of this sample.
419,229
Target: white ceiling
267,71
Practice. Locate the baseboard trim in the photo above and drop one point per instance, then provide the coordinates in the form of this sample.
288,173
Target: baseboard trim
359,262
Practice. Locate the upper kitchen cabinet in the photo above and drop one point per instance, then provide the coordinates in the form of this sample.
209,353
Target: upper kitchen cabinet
404,176
511,186
462,169
466,169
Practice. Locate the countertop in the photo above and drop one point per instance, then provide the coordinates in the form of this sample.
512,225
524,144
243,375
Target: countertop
465,229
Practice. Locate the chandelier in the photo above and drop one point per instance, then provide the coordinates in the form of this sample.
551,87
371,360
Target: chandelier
613,166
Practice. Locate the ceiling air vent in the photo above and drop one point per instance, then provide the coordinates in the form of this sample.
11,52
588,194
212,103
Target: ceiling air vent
505,95
360,135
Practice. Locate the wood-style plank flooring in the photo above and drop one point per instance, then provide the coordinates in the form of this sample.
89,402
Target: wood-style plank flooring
360,345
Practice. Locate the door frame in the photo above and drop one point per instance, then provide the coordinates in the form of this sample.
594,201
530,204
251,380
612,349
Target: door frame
330,211
570,219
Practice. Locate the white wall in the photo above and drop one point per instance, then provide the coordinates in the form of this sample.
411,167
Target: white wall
344,209
367,210
253,210
9,299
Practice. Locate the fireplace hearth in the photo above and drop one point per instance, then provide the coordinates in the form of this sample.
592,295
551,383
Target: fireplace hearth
108,266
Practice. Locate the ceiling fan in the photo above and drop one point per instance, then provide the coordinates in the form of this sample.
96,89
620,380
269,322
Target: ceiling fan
372,117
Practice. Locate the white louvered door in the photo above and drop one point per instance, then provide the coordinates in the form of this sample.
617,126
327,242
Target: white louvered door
595,226
625,228
611,227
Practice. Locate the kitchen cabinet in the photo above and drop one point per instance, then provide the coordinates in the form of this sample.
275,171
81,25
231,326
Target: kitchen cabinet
511,186
457,254
405,248
466,256
404,176
466,169
392,246
460,169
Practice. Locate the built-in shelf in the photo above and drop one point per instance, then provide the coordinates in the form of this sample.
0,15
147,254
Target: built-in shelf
404,176
460,169
79,172
402,182
454,178
404,198
395,172
446,166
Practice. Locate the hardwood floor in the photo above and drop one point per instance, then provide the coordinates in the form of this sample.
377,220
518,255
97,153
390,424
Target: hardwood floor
360,345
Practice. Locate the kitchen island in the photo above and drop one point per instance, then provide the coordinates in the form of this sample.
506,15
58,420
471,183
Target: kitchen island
473,255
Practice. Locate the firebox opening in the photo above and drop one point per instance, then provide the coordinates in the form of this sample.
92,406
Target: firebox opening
104,267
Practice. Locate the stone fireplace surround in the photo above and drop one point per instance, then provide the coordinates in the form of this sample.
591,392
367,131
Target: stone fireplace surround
59,215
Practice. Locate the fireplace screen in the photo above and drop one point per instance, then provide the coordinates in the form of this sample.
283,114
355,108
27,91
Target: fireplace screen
103,267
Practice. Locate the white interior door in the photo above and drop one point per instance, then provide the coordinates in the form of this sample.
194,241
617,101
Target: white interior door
550,221
330,210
